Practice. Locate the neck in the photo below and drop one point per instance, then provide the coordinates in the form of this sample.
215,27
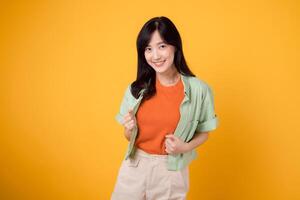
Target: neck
168,78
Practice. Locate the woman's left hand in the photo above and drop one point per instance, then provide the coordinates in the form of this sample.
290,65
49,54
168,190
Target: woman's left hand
175,145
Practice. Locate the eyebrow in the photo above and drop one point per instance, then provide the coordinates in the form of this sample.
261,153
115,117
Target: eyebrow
162,42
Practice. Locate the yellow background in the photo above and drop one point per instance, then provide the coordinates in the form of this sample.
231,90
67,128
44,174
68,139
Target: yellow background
65,66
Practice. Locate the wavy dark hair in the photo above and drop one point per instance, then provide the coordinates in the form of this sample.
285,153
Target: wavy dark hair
145,73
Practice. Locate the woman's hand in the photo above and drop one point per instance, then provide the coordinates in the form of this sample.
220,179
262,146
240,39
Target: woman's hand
175,145
129,123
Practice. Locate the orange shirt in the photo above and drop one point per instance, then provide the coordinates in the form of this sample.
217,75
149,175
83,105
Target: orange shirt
158,116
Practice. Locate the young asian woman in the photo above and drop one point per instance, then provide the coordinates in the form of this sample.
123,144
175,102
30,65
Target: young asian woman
167,112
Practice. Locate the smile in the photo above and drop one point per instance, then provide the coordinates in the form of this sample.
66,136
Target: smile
158,64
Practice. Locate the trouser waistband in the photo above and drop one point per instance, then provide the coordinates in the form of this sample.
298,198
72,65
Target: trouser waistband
140,152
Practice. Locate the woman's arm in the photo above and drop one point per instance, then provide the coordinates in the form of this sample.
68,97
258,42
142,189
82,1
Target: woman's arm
197,140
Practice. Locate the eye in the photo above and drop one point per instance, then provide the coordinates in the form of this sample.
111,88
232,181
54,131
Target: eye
162,46
147,49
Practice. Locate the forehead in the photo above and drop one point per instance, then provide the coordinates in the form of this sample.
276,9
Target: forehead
155,39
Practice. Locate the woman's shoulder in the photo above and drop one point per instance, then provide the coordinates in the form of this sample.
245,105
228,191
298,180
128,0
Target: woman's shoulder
128,94
198,83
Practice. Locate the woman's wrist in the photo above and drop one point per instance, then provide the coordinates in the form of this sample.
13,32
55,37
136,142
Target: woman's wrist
187,147
197,141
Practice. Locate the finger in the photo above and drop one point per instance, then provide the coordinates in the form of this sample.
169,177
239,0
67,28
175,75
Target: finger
130,111
128,115
167,149
169,143
130,124
170,140
127,126
170,150
170,136
129,119
126,120
170,146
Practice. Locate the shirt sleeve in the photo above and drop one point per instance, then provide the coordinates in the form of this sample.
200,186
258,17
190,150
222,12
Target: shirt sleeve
208,120
124,106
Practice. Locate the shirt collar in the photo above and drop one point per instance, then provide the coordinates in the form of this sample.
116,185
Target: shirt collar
186,86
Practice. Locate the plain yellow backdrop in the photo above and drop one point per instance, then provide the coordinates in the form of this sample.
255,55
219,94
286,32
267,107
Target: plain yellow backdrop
64,67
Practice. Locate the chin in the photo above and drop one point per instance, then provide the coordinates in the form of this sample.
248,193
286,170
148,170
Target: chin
160,70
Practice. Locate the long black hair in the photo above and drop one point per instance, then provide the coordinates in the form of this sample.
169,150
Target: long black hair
145,73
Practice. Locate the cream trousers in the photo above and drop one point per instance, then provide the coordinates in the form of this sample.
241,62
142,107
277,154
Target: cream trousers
145,177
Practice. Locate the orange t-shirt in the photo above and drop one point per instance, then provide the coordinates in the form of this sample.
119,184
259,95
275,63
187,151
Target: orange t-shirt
158,117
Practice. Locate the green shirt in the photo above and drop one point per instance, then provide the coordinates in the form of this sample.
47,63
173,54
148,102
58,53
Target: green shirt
196,115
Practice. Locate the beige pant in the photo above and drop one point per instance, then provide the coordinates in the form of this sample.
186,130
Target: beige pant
145,177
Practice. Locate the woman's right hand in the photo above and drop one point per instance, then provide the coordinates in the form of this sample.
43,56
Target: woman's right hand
129,123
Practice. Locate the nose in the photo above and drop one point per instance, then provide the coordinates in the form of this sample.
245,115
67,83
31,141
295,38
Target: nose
156,55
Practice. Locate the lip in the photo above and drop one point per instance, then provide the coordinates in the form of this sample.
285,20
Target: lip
158,64
160,61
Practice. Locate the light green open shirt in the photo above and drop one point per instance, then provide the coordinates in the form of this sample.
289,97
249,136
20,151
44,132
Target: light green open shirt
196,115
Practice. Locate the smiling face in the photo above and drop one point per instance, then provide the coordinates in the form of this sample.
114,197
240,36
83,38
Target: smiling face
160,55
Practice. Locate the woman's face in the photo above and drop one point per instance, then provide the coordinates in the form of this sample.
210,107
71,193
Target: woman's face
160,55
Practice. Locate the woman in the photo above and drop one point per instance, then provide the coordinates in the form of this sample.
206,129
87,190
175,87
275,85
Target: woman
166,112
